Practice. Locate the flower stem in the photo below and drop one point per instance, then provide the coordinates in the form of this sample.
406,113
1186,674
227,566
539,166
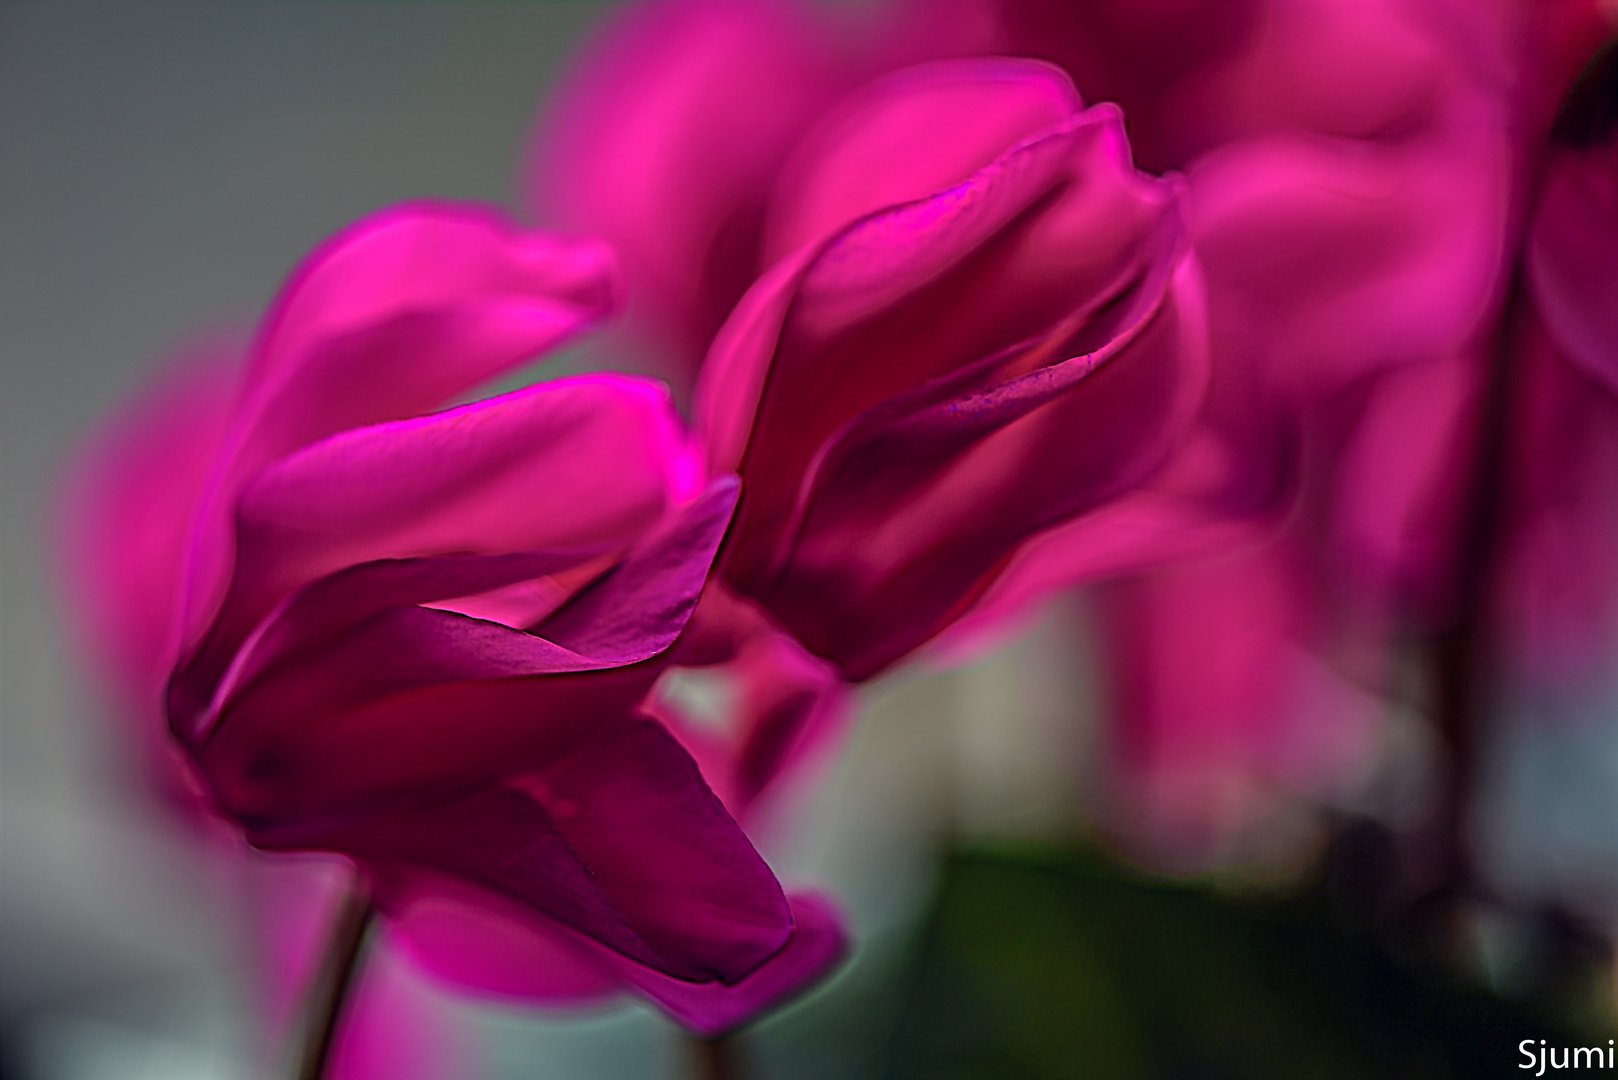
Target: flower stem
328,993
717,1058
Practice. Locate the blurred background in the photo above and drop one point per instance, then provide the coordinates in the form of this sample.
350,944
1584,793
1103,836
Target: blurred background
162,167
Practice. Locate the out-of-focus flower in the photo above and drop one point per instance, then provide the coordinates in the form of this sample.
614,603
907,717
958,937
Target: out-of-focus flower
1354,249
1148,56
1561,581
1352,280
980,322
1221,712
125,522
666,139
1192,75
1353,236
422,640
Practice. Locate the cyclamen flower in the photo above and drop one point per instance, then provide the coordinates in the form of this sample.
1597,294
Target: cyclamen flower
422,639
980,322
1148,56
666,138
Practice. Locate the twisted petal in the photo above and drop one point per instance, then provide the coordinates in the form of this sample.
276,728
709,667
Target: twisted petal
412,702
913,134
395,316
589,461
864,305
620,841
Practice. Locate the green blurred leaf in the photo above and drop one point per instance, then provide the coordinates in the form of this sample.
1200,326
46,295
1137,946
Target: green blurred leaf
1060,964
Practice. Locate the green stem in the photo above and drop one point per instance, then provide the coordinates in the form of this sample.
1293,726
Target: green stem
328,993
716,1059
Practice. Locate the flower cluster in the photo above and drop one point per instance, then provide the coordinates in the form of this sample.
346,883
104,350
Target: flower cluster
978,356
1250,309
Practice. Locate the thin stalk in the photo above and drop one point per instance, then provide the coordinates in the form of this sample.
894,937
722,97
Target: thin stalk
328,993
717,1059
1460,653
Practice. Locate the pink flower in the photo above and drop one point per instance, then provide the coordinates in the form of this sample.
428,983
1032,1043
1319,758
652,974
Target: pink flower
1559,590
980,322
1143,55
666,138
1222,713
422,639
1192,75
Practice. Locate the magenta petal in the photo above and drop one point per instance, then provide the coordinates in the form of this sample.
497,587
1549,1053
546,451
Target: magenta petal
929,386
817,943
665,141
401,313
405,311
620,840
661,845
417,703
486,942
842,325
1573,257
634,612
506,840
331,608
429,258
637,610
920,501
1049,233
587,461
1330,259
914,134
873,261
450,697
